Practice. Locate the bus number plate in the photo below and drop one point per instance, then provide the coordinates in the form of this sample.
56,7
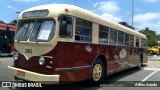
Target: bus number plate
21,73
28,50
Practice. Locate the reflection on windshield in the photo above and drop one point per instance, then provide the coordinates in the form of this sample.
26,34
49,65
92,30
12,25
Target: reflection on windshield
45,30
41,30
27,29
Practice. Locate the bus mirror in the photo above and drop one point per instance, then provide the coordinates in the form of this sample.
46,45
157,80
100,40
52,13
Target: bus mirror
65,26
60,17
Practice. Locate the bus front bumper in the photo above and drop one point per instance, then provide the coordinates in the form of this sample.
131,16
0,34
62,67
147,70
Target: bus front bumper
32,76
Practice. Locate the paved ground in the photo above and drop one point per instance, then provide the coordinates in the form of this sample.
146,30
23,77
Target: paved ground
149,72
154,57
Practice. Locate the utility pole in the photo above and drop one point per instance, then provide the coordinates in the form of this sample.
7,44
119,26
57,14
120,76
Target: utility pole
132,12
75,2
18,14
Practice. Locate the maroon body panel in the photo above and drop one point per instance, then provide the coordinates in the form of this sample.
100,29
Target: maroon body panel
73,61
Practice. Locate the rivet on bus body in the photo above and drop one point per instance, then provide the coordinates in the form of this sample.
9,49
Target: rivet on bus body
51,62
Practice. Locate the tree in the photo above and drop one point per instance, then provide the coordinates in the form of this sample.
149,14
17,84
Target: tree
14,22
151,36
158,39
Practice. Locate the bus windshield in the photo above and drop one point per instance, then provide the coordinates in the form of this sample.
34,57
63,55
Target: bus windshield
36,30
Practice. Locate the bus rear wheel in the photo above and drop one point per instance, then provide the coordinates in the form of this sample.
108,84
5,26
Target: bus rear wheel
97,73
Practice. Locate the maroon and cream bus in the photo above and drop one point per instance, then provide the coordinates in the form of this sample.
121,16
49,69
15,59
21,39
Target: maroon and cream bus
58,43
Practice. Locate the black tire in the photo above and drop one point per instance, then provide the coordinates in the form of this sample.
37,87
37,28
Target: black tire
97,80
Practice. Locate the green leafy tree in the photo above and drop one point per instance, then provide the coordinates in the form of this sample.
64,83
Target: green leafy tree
151,36
158,39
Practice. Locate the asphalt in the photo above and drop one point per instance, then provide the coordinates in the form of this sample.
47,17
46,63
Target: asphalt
149,72
154,57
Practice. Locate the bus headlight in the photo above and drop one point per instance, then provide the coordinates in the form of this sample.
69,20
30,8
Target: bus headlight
41,61
15,56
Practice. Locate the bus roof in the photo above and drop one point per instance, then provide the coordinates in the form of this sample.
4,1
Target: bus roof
56,9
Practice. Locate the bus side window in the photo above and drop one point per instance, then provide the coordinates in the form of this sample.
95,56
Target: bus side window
66,23
143,43
120,38
83,31
131,40
113,37
137,42
126,39
103,34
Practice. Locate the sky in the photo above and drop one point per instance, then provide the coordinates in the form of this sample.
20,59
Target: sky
146,12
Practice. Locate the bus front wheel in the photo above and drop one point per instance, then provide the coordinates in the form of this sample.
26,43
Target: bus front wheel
97,72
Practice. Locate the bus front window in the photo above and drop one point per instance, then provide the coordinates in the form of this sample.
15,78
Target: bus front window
37,31
24,30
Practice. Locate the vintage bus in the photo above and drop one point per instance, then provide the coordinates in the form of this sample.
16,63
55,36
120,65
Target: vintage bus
61,43
7,32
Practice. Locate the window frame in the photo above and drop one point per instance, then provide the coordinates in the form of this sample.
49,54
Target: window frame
114,43
35,37
106,31
71,26
118,37
130,40
21,37
137,39
89,28
51,32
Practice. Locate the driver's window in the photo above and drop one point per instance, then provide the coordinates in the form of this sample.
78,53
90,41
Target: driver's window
66,26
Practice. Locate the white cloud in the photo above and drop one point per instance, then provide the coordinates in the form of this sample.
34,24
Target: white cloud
108,10
6,21
150,20
112,17
54,2
26,0
95,5
152,0
11,7
150,25
110,6
147,17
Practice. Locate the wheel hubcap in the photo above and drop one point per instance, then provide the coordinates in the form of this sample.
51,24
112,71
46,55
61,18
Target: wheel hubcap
97,72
